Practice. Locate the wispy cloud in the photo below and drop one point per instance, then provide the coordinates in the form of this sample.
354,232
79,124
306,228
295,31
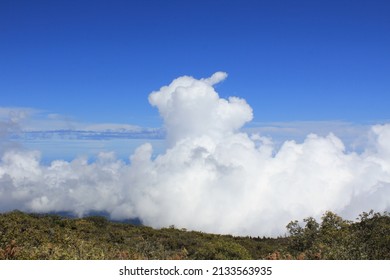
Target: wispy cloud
62,137
354,135
34,124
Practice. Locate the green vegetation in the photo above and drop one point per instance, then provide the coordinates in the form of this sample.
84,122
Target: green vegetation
338,239
36,236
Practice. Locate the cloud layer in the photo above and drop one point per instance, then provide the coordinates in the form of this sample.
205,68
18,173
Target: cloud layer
213,177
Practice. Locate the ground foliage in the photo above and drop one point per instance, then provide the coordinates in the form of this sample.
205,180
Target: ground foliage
338,239
44,236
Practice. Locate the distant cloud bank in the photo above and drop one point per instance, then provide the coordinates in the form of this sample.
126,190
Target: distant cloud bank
30,124
214,176
92,134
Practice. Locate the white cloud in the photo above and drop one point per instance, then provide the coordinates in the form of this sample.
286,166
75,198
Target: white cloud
192,108
34,120
15,114
213,177
36,129
36,125
9,125
354,135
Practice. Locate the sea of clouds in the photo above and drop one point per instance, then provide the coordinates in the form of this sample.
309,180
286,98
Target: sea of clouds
212,177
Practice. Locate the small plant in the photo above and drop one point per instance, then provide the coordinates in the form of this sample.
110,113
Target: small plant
10,251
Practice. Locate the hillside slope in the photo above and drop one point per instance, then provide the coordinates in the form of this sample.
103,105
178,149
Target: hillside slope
38,236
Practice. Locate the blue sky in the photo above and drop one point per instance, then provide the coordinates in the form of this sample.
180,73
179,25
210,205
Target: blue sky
77,132
97,61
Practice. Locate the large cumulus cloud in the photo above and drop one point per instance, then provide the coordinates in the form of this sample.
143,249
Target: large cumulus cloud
213,177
